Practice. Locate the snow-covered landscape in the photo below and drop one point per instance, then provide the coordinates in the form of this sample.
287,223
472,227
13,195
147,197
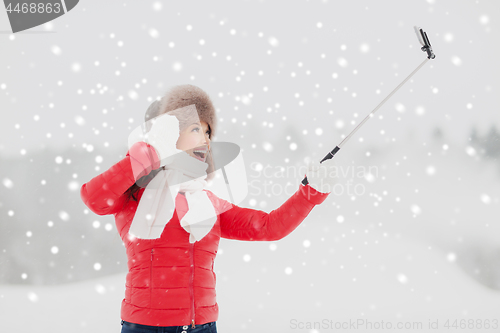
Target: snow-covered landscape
396,280
411,234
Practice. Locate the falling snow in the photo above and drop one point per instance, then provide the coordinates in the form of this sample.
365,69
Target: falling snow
342,62
402,279
456,61
7,183
485,198
415,209
267,147
283,97
273,41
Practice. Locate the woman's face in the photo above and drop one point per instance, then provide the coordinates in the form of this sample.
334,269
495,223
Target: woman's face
195,140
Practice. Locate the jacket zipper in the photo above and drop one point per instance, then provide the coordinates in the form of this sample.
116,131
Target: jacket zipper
151,279
191,279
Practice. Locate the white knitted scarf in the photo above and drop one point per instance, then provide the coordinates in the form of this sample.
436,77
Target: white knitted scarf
157,204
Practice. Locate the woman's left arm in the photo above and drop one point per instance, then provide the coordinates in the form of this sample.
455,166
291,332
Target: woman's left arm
255,225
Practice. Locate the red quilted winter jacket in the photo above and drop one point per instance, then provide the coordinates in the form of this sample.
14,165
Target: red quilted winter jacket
171,282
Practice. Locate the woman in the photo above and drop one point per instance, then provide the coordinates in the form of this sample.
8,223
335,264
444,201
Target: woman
171,282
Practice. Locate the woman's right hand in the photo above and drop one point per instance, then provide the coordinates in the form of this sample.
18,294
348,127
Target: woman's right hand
163,136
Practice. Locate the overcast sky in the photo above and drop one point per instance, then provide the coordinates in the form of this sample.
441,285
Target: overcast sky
88,76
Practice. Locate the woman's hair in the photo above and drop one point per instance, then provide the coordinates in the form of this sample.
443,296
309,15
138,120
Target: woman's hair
179,102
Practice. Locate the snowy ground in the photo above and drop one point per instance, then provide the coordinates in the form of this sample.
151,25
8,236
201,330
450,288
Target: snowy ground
398,280
405,251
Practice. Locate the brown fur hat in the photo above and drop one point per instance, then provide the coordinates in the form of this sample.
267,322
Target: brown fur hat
180,97
176,102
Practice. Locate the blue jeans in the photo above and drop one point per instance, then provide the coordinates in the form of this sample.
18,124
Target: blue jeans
137,328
